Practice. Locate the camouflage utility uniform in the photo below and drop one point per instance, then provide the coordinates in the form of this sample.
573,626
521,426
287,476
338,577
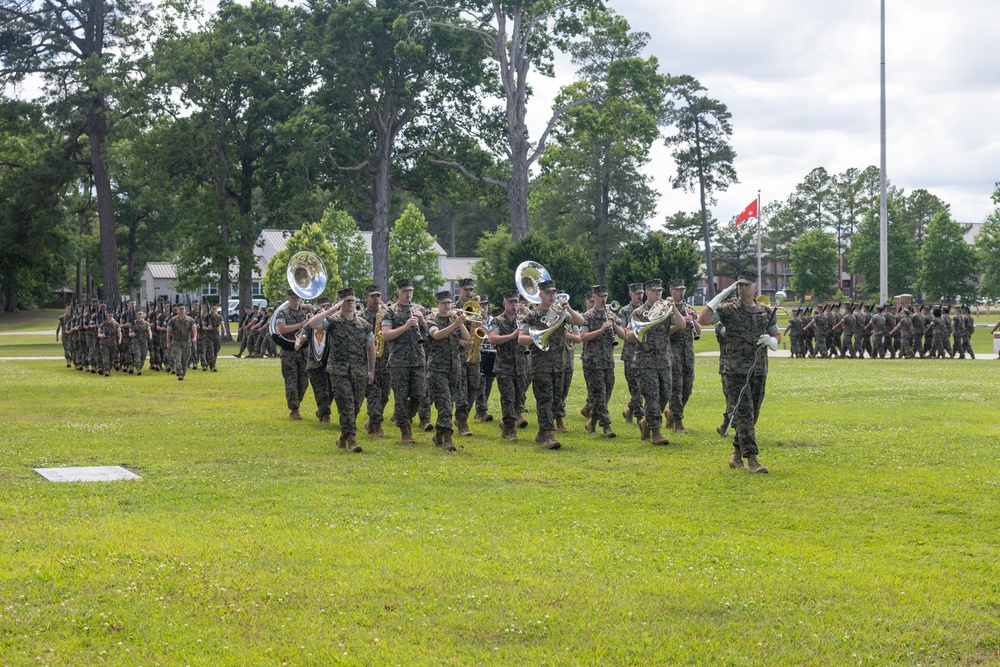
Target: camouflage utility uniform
406,365
347,364
598,360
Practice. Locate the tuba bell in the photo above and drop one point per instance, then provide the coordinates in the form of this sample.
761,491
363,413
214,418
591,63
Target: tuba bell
306,275
526,279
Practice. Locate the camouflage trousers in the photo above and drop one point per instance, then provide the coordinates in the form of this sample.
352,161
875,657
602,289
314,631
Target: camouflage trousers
180,355
747,411
878,344
928,343
656,386
485,389
967,345
377,395
546,387
409,384
245,339
465,398
523,382
348,392
946,342
600,384
681,380
213,343
559,406
293,371
319,379
441,387
91,351
67,348
937,345
424,411
906,346
511,387
821,349
634,391
202,350
140,346
107,354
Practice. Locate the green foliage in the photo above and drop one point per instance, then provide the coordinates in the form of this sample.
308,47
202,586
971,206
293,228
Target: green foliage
658,255
863,257
735,248
34,167
570,266
814,263
353,263
689,224
988,254
412,255
310,238
592,189
948,264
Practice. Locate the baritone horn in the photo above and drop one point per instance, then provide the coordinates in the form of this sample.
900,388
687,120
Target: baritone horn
306,275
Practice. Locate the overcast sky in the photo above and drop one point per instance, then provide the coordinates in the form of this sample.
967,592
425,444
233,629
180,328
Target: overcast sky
801,79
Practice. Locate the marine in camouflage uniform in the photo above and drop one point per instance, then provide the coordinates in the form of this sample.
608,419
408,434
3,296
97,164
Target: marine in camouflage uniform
833,341
90,336
312,338
182,334
487,365
904,326
938,333
293,362
919,323
634,408
928,331
140,334
653,360
878,334
109,336
891,343
511,363
957,333
749,329
598,360
794,332
572,337
820,326
350,362
376,393
213,337
445,364
465,399
946,319
547,366
967,331
403,332
847,326
682,364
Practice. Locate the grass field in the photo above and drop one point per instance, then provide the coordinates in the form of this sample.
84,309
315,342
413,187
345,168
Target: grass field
252,540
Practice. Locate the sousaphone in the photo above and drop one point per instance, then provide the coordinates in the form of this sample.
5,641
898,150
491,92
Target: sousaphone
306,275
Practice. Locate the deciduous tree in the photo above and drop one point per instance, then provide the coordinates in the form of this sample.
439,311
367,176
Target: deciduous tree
814,263
948,264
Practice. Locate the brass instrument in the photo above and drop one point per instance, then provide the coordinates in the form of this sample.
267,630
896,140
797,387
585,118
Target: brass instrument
306,275
526,279
658,313
477,332
379,340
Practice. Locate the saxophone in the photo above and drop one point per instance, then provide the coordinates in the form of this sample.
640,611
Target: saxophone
477,332
379,341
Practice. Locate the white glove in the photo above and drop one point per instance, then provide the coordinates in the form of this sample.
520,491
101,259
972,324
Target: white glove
714,303
770,341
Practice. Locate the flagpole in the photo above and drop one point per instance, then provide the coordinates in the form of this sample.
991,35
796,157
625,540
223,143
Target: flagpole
883,265
760,274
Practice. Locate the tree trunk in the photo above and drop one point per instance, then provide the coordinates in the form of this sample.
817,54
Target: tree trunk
704,212
380,223
97,131
10,306
79,280
451,226
130,258
517,194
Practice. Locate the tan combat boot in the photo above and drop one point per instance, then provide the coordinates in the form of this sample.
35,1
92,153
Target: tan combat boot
736,461
426,425
753,465
540,437
560,428
406,434
522,422
446,443
352,445
658,438
591,425
679,427
585,411
463,428
643,429
483,416
368,426
340,441
627,415
721,428
550,441
294,414
377,432
608,433
512,433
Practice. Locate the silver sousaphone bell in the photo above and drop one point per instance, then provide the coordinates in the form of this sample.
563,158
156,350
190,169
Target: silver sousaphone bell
527,277
306,275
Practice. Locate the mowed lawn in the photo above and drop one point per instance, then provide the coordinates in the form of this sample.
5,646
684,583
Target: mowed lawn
252,540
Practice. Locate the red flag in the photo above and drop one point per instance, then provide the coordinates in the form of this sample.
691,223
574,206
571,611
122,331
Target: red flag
749,212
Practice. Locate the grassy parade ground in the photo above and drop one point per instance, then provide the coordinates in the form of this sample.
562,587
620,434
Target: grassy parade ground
253,540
